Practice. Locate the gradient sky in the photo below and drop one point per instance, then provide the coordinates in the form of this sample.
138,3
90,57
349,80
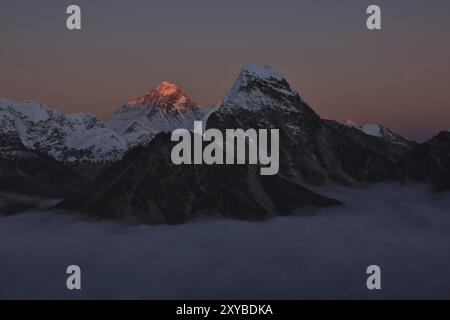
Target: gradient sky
399,77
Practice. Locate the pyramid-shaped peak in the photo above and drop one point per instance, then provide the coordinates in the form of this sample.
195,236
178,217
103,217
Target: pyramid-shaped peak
167,88
260,86
166,95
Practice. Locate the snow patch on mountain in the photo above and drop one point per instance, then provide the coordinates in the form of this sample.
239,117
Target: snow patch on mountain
372,130
376,130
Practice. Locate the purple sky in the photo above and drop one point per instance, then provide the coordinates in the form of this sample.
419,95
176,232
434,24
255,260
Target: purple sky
398,77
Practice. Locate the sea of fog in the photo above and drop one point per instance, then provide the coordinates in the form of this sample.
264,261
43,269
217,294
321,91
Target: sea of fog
404,230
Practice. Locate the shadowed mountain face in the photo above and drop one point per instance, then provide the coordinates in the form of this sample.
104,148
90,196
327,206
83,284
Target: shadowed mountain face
146,187
430,162
28,172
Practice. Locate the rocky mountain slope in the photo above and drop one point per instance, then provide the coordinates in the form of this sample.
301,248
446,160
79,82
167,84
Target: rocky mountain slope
429,162
28,172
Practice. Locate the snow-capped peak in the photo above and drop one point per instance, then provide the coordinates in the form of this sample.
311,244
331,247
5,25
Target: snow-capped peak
167,88
261,71
165,96
258,87
164,109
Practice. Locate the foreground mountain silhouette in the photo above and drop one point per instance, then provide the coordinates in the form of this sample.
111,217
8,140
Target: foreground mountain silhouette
430,162
28,172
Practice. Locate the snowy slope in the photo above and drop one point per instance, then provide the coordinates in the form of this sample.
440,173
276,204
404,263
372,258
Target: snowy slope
376,130
372,130
164,109
66,138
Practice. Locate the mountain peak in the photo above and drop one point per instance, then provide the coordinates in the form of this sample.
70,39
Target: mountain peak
164,109
261,71
260,86
167,88
166,95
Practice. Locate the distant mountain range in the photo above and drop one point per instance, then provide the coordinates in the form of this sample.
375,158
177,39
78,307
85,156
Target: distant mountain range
121,168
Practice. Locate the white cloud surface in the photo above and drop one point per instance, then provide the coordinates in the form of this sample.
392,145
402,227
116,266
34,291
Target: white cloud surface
405,230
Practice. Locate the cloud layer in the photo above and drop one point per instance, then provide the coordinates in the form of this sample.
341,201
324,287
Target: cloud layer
404,230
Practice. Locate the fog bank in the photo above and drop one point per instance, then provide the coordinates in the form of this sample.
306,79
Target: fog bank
404,230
